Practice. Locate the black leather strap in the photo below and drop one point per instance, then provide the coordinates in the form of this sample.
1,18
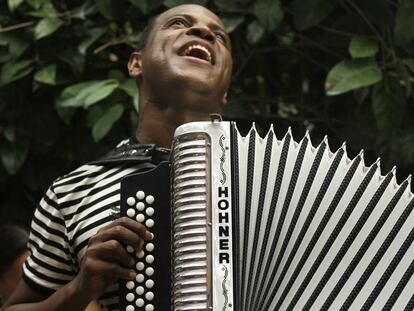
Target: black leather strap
134,152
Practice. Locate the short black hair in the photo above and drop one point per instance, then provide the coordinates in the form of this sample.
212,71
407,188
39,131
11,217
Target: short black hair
143,39
13,242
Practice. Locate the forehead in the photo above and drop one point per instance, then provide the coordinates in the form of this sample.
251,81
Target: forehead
196,11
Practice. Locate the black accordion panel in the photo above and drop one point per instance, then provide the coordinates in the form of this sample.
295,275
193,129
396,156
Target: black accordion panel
145,198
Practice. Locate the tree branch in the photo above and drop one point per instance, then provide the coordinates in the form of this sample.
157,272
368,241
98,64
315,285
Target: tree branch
17,26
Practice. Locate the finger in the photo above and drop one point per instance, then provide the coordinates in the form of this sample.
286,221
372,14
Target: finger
111,251
136,227
113,270
132,225
119,233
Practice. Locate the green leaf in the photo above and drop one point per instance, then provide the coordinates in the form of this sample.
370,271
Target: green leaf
85,94
4,39
130,87
74,59
47,10
171,3
13,156
404,22
352,74
14,4
146,6
13,71
228,5
106,121
388,105
409,62
231,23
10,133
407,148
111,9
308,13
405,77
46,27
255,32
18,44
78,13
93,35
269,13
65,113
117,75
362,47
35,4
46,75
361,94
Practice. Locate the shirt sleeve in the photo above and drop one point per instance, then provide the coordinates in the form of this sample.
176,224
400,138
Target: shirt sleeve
50,264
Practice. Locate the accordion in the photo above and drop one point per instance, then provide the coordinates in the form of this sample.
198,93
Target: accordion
250,223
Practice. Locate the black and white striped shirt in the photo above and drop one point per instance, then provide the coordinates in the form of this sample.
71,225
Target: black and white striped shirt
73,209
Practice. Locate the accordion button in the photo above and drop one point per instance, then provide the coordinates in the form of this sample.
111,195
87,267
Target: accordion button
140,254
139,278
140,195
149,296
149,223
139,302
140,266
149,271
149,307
150,199
140,290
149,247
140,206
130,212
130,249
130,297
149,283
149,259
130,308
130,285
140,218
149,211
131,201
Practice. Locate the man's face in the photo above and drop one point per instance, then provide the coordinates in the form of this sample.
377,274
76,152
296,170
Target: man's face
188,44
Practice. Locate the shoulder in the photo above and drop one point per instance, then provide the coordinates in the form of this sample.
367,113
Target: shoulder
128,156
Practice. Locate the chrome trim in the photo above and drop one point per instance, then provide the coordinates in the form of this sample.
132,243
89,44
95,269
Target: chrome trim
191,267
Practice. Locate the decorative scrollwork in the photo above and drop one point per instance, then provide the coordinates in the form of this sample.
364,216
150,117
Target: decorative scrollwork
225,290
222,160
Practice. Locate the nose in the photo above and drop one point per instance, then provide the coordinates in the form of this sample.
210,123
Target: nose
203,32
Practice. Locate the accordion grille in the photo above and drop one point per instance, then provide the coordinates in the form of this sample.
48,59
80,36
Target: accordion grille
190,243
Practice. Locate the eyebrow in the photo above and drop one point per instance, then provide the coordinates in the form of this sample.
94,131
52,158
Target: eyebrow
212,25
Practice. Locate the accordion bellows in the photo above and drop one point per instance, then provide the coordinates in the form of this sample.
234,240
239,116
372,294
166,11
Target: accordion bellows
268,224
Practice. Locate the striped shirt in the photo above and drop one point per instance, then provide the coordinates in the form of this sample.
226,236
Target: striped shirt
73,209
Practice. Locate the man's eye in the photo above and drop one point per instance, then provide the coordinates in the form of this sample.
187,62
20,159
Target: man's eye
179,22
220,37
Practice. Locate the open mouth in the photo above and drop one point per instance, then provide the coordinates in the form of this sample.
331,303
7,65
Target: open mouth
200,52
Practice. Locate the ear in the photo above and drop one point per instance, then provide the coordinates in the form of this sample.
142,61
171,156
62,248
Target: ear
224,99
135,65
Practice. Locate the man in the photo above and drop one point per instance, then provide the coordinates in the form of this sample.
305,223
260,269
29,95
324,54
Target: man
13,253
183,71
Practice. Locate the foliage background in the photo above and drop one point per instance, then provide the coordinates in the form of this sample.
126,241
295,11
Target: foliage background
337,67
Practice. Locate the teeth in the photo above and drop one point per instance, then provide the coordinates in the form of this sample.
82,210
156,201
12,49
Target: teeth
199,47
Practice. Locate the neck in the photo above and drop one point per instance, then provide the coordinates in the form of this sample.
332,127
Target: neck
157,124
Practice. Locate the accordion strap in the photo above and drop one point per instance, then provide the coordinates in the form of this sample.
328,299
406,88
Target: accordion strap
130,152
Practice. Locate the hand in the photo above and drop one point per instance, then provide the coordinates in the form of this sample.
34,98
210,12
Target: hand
106,260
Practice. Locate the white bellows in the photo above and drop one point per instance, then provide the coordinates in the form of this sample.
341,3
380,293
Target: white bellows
311,229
